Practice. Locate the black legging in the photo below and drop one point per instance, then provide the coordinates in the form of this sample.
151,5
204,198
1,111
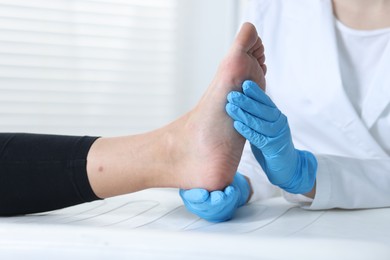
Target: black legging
43,172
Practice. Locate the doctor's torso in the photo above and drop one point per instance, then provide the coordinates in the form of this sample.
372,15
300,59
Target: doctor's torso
304,79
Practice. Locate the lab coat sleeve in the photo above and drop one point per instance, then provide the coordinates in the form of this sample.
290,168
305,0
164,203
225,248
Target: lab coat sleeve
351,183
262,188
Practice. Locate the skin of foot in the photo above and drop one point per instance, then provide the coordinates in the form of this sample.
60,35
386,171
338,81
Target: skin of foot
199,150
211,148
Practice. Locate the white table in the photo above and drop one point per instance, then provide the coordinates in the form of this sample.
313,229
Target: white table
153,224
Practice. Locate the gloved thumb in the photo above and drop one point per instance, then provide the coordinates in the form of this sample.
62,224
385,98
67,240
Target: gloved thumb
243,187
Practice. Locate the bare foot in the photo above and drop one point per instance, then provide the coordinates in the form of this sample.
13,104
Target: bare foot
210,149
199,150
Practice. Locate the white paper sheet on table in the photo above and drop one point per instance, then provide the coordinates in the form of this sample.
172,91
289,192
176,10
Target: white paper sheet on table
160,212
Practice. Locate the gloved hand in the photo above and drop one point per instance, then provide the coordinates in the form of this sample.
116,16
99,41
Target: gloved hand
217,206
258,119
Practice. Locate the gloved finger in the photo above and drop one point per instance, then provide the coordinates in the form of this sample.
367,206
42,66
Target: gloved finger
195,195
230,191
217,198
238,114
261,126
252,136
235,195
252,90
253,107
196,207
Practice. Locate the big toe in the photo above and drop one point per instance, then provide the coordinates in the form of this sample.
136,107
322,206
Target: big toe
246,37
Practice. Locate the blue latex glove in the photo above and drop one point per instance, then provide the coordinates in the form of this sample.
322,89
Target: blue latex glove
258,119
217,206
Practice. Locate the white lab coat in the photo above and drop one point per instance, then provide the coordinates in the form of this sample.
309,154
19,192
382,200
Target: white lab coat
303,79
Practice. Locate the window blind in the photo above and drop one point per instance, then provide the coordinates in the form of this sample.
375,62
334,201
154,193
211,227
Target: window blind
95,67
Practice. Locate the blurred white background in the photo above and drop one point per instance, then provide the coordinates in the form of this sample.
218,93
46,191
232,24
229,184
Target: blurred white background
108,67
